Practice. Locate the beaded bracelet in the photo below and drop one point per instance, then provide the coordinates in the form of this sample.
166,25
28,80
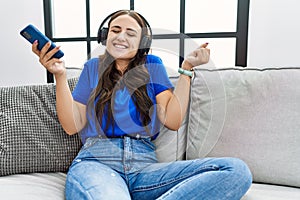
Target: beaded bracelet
185,72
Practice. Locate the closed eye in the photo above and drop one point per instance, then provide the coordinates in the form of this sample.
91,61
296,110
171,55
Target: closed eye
115,30
131,34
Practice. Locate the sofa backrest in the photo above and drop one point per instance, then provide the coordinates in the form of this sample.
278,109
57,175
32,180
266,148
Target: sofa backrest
249,113
171,145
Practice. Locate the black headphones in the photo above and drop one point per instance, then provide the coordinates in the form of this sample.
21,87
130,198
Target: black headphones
146,40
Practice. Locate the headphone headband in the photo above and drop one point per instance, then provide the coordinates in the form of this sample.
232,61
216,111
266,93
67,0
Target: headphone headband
145,42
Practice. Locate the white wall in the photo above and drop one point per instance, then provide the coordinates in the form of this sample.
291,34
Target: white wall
273,38
18,64
274,33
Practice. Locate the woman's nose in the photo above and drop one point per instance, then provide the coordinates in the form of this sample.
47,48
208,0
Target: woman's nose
121,36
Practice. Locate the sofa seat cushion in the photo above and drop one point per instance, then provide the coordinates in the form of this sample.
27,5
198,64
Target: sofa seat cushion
271,192
35,186
249,113
51,186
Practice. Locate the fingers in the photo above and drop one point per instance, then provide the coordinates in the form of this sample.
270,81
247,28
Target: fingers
34,48
43,53
204,45
46,54
202,49
54,65
208,51
199,56
44,50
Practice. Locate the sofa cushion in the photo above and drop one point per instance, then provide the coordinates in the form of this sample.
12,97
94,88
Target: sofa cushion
52,185
250,113
34,186
31,137
259,191
171,145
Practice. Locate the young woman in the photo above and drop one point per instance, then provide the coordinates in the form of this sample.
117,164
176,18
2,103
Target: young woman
117,106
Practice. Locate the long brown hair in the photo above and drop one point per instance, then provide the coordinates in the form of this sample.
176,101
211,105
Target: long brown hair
135,79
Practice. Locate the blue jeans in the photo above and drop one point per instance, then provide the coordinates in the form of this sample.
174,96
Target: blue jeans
126,168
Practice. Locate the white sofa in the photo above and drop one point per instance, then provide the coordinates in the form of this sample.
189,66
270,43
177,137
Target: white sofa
249,113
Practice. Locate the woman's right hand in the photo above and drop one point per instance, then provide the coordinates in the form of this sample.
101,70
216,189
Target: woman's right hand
53,65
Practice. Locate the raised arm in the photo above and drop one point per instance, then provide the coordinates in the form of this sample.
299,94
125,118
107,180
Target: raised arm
71,114
172,106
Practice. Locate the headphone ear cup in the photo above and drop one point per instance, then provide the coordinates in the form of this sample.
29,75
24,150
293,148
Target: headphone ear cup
102,36
145,43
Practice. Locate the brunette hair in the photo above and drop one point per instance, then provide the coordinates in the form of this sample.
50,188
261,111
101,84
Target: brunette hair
135,79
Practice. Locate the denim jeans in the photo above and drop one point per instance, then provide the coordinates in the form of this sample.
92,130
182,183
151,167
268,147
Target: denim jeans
126,168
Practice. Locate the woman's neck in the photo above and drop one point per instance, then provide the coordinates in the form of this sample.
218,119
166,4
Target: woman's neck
122,65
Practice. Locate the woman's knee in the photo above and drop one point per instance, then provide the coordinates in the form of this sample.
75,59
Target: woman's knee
87,180
241,168
236,169
239,171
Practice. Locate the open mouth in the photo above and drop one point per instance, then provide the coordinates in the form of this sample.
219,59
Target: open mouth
120,46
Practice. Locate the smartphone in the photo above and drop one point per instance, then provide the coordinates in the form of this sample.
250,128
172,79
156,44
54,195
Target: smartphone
31,33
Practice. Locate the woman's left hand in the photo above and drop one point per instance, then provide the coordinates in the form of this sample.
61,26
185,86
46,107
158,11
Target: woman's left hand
198,57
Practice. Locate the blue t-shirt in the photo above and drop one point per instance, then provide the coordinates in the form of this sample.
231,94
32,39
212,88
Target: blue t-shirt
125,114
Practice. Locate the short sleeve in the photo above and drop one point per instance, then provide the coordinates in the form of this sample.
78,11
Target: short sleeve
87,81
158,74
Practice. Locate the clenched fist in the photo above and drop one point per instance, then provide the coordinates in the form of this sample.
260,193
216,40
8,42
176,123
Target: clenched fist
198,57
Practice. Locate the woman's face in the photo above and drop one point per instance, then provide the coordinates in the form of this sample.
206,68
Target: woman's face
123,37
